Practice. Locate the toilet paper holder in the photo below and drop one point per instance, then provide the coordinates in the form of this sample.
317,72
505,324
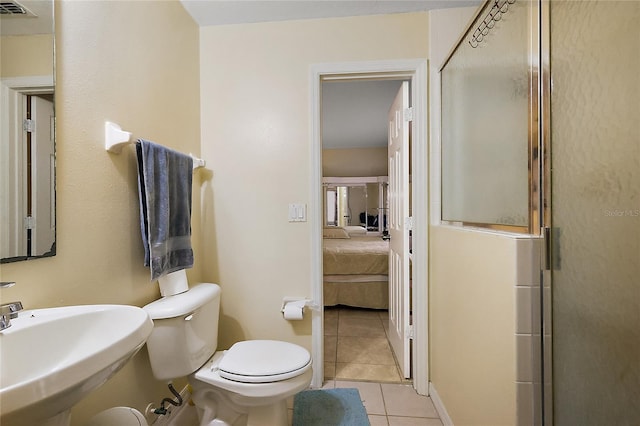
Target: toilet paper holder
299,301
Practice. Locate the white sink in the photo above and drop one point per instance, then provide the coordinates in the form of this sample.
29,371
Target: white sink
51,358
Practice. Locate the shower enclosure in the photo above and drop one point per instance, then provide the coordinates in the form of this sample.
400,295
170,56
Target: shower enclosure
541,136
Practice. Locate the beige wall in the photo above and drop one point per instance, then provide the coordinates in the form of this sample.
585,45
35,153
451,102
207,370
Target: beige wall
26,55
256,136
472,325
134,63
355,162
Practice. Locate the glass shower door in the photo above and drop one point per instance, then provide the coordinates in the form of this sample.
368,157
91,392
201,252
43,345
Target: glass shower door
595,162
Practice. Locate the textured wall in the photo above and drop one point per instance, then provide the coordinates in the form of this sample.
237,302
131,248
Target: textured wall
472,324
256,136
135,63
26,55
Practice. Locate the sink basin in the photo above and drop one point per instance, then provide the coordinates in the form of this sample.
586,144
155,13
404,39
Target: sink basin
51,358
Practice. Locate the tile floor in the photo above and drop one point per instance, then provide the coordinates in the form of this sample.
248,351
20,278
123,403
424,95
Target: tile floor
392,404
387,404
357,354
356,346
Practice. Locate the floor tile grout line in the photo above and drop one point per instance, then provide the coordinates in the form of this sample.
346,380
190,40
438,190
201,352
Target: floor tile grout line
384,403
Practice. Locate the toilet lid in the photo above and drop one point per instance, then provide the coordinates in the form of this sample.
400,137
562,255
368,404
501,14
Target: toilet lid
263,361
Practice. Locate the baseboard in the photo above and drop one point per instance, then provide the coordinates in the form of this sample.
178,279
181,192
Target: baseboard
175,414
440,408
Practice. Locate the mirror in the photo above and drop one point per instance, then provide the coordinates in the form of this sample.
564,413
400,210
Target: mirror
27,132
356,204
344,205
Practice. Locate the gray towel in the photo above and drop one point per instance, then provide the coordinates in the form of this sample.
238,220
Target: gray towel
164,186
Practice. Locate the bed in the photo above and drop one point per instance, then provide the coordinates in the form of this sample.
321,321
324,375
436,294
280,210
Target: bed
356,269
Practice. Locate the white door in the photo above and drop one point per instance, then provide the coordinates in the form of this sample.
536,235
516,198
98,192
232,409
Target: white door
43,191
399,319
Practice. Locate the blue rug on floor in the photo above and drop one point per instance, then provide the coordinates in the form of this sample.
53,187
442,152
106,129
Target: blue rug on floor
329,407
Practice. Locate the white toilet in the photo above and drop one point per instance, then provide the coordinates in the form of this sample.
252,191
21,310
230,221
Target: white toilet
245,385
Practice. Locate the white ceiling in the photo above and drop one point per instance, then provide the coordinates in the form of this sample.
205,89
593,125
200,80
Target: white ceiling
221,12
354,113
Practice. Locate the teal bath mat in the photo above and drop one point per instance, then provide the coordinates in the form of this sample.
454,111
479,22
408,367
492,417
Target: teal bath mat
329,407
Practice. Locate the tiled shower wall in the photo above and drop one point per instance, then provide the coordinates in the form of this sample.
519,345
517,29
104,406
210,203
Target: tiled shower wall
528,330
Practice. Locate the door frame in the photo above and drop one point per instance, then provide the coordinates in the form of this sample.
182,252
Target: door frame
416,70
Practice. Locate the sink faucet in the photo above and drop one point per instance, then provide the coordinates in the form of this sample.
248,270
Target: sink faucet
9,311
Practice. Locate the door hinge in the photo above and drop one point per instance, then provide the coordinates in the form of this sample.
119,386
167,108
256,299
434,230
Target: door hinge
409,333
29,222
408,114
28,125
408,223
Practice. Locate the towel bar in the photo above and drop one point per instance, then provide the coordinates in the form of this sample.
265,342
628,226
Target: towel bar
115,138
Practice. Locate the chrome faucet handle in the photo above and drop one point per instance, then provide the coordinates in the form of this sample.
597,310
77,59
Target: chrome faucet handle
8,311
5,322
11,308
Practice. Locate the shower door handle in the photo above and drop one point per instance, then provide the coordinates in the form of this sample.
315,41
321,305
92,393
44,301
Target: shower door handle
552,258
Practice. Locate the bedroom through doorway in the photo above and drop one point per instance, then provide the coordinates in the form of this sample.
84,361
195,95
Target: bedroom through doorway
355,282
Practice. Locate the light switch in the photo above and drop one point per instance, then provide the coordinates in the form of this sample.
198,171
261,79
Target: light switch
297,212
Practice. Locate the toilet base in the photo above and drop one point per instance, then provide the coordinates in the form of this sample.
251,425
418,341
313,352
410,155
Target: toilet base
263,404
271,415
275,414
215,408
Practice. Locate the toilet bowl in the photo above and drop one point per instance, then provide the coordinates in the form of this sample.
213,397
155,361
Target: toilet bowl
254,401
248,384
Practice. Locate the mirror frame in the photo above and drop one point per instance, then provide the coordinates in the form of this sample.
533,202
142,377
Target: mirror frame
12,89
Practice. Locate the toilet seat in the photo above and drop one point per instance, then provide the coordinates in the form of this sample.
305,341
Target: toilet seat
263,361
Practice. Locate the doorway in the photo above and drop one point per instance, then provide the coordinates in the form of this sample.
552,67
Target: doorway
415,72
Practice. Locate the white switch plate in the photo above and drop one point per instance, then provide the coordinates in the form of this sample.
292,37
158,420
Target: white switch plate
297,212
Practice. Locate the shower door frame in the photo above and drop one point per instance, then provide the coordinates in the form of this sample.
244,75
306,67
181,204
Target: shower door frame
544,128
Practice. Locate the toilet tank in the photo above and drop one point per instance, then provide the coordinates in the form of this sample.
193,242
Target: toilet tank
185,331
